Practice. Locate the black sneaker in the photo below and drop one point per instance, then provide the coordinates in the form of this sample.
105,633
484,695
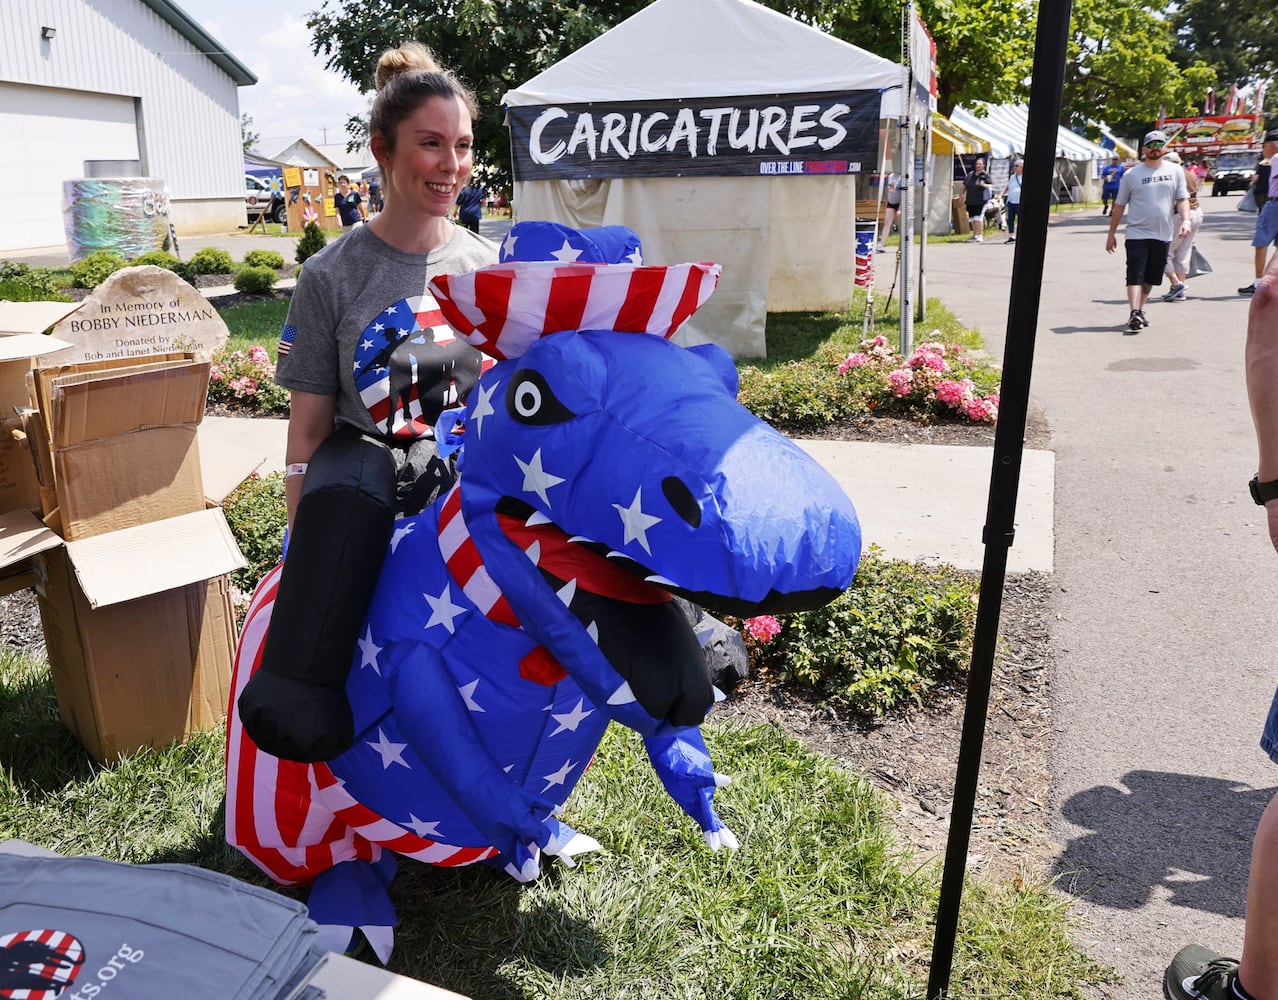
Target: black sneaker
1144,320
1199,974
1248,290
1133,322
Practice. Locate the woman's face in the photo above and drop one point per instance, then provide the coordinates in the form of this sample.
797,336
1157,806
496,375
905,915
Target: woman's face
980,164
432,158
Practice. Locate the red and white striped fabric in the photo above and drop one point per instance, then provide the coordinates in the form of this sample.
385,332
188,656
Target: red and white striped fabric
502,309
52,955
466,565
296,820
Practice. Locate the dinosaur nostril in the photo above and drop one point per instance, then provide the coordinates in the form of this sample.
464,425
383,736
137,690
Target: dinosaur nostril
681,499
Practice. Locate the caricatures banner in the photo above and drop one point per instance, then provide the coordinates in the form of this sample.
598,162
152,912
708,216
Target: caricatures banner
768,135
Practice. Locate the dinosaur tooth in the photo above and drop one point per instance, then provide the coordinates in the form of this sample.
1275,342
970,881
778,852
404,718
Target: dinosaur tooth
567,592
581,539
660,581
536,518
592,630
622,696
533,552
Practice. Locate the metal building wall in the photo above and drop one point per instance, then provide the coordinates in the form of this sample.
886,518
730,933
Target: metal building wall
188,107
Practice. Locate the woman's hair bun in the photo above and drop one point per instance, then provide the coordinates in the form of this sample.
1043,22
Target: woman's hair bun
411,57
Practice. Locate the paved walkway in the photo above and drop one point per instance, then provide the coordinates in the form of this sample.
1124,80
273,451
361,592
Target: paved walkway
1165,585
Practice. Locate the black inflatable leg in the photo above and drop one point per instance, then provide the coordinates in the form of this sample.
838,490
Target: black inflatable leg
295,706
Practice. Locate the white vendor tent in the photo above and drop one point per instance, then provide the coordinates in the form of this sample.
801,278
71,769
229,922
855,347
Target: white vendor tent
786,242
1078,159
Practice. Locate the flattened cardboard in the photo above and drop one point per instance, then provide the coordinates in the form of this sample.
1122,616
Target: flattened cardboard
22,537
33,317
19,483
19,480
135,562
109,405
121,482
39,386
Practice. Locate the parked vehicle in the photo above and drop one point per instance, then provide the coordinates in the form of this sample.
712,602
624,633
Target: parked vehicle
258,198
1233,170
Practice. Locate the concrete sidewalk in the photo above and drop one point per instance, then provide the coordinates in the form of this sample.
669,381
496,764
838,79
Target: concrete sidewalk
918,502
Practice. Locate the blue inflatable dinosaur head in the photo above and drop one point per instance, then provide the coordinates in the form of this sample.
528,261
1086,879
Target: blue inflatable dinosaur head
635,449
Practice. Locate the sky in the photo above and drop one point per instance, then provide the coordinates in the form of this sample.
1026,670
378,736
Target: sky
294,95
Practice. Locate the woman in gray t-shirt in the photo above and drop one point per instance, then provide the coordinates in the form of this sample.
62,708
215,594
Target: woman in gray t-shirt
370,365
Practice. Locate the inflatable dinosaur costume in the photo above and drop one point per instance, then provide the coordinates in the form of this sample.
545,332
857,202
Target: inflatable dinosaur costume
604,468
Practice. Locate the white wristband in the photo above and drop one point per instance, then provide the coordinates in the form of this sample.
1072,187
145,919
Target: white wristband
296,469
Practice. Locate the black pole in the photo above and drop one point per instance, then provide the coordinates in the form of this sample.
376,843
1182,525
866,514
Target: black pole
1018,361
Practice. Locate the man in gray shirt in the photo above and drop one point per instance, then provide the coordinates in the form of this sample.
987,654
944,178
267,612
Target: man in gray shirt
1152,195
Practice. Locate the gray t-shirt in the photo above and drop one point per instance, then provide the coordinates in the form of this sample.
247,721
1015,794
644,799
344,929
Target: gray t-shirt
363,326
1150,195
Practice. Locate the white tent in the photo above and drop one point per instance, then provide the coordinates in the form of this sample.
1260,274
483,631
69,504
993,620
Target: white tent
1005,126
785,242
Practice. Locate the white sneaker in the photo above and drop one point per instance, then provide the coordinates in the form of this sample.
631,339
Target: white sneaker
978,239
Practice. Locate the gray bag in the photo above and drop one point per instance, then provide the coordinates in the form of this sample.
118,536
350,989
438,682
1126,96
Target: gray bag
1247,203
1198,264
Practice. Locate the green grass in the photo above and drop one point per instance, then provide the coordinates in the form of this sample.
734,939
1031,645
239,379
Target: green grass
256,323
803,336
819,902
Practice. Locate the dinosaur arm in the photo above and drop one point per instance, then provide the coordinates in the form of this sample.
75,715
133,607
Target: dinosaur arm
682,762
434,719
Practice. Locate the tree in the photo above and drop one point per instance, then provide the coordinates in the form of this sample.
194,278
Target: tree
248,137
1238,41
1119,66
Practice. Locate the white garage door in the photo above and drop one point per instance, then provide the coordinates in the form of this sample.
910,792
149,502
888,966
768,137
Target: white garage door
52,133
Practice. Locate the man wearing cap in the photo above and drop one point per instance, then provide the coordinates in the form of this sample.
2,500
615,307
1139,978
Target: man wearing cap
1147,195
1267,219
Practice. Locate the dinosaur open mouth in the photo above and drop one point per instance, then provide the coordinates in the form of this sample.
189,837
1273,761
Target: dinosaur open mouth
644,634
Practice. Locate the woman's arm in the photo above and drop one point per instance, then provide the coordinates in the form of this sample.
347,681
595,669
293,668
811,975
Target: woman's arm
310,423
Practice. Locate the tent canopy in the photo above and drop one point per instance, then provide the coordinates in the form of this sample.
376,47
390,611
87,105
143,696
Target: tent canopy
949,138
707,48
785,242
1004,125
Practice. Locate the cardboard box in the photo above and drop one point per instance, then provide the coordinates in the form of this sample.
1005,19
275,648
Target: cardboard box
139,631
130,567
19,482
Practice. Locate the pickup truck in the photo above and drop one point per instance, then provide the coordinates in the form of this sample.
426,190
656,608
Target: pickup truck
1232,171
258,196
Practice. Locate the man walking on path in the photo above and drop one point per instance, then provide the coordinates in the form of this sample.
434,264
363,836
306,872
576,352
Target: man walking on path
1267,218
1147,194
978,186
1197,973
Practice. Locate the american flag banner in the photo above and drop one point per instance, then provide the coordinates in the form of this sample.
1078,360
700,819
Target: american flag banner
504,308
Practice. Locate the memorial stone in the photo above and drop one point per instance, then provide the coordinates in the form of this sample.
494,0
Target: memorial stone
139,311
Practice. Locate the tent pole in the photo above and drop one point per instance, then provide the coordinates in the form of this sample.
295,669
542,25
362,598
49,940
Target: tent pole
924,194
906,215
1018,357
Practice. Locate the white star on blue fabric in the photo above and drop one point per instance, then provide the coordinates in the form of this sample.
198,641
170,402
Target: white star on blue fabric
483,406
566,254
635,257
508,244
536,479
368,651
391,752
467,691
379,327
390,311
443,611
558,777
429,831
636,522
366,345
402,531
571,720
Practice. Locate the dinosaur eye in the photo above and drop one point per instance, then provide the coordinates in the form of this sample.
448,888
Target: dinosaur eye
530,401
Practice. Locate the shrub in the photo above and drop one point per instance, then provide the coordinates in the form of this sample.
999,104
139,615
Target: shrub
211,260
20,282
256,280
264,258
312,242
256,513
91,271
161,258
799,395
245,380
899,629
